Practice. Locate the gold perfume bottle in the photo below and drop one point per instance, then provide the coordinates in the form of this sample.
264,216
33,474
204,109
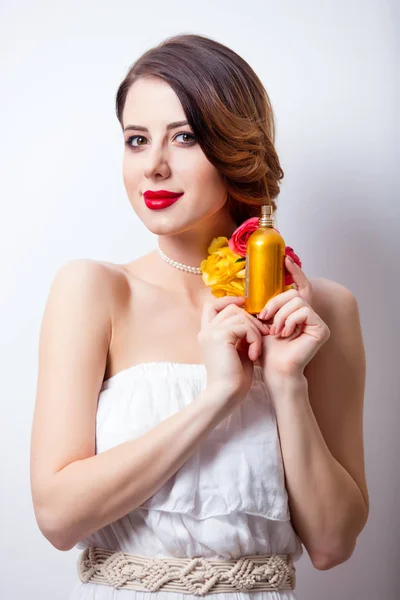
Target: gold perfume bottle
265,269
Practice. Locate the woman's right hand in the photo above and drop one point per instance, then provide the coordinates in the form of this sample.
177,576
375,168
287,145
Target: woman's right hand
230,339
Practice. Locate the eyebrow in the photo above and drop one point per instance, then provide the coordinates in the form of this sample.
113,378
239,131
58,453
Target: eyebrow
170,126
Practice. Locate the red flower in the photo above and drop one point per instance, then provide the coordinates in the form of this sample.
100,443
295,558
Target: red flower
238,242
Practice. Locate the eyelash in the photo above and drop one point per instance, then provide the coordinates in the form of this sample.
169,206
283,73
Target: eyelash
132,137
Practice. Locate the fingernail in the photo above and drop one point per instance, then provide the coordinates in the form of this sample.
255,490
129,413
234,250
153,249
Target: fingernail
290,258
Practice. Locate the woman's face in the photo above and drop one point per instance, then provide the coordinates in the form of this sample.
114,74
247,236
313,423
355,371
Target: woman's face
161,159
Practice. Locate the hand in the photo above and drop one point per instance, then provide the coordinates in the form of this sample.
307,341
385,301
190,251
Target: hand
231,340
297,330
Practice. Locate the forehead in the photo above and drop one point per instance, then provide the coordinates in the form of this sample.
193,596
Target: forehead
151,101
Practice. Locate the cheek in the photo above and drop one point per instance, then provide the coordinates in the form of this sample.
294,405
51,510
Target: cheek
214,186
209,178
129,173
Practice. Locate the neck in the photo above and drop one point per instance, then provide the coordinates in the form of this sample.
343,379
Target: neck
189,248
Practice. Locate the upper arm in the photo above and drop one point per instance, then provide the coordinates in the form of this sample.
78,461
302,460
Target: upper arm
336,379
73,347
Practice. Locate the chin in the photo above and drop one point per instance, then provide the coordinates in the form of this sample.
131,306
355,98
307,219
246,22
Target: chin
168,224
164,226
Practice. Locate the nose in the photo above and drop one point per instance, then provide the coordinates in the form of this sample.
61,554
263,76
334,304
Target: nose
156,163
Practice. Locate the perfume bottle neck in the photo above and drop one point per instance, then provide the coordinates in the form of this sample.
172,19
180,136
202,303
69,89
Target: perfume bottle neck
265,221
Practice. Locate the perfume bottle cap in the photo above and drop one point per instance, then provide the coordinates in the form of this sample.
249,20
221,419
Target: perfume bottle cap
266,210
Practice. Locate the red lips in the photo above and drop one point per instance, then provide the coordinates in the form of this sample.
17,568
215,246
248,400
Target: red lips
160,199
161,194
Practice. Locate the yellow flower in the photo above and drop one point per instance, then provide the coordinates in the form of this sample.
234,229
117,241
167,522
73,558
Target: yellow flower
221,272
218,242
234,288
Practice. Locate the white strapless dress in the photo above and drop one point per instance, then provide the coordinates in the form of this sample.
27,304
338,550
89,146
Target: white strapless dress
229,498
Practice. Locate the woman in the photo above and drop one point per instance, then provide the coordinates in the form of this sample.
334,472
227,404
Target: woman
181,426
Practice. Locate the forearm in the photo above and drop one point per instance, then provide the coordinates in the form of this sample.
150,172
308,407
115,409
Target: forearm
326,505
88,494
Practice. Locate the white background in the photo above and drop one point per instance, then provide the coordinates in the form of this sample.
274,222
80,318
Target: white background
330,69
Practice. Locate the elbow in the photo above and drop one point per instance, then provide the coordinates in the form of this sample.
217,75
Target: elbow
54,532
342,551
325,562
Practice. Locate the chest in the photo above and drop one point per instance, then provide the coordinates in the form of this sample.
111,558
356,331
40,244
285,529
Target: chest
152,325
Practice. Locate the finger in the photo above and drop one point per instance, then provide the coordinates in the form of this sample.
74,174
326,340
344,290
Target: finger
303,284
253,335
298,318
298,330
261,326
275,304
211,309
253,338
295,319
281,316
233,309
238,331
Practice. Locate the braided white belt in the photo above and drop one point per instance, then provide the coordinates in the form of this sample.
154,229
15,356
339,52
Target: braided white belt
197,576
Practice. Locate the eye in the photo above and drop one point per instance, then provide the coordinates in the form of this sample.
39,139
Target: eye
132,137
128,142
193,139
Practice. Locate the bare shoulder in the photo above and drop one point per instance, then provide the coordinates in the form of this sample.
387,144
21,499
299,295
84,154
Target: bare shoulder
105,282
81,267
109,277
103,270
330,298
120,281
323,285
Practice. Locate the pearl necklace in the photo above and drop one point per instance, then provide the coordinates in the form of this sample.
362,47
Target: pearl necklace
178,265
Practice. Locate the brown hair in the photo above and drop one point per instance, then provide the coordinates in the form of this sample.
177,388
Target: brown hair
228,110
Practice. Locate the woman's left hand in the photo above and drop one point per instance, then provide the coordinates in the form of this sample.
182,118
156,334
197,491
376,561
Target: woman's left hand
297,333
